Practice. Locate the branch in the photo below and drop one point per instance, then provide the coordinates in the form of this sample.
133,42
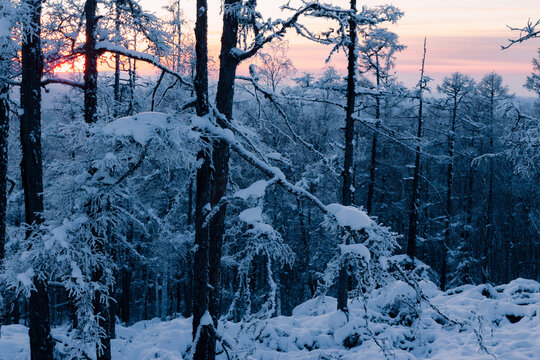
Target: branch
525,33
270,171
106,46
156,89
261,40
63,82
272,98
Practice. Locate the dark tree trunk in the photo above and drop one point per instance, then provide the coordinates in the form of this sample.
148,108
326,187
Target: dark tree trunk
206,343
490,230
116,88
190,203
102,309
348,176
373,160
449,183
126,274
4,134
41,343
126,294
413,209
221,153
90,67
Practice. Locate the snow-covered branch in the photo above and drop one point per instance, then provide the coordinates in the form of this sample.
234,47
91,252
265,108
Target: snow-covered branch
529,31
272,97
107,46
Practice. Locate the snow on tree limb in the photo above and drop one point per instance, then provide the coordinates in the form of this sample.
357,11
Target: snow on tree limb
107,46
529,31
272,97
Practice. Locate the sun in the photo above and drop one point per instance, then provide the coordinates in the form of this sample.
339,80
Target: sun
71,66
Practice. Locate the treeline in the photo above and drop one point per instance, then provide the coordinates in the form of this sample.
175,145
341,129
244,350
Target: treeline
219,209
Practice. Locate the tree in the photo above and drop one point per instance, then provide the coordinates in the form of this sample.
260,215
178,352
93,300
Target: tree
6,56
533,80
7,49
273,65
41,343
492,94
377,55
204,338
413,209
455,87
348,176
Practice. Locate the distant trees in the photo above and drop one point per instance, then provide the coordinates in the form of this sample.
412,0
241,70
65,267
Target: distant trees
533,80
273,65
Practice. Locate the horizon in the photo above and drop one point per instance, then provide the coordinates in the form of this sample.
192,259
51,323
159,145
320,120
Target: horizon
465,36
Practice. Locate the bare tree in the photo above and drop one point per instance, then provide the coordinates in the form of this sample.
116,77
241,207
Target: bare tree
413,209
273,65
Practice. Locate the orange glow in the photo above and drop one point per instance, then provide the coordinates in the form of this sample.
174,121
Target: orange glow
71,66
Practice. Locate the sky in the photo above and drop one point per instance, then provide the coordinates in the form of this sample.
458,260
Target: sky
462,35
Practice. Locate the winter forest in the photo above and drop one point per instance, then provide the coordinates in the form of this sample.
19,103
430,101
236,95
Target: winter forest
234,207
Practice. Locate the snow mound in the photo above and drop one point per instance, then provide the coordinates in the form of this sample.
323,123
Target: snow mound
252,216
255,190
356,249
141,127
318,306
350,216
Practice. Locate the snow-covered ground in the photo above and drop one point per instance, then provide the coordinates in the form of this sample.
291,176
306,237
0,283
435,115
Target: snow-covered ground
456,324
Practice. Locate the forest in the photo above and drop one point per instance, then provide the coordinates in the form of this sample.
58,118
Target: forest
237,208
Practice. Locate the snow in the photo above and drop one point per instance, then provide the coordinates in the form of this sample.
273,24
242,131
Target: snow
507,317
252,215
356,249
26,277
206,319
5,27
141,127
317,306
255,190
350,216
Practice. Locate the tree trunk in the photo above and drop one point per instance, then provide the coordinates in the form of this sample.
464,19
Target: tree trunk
41,344
413,209
190,203
449,182
221,153
101,309
348,176
116,88
205,348
373,163
90,67
4,135
489,226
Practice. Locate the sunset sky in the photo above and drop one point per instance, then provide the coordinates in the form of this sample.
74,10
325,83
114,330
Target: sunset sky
462,35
